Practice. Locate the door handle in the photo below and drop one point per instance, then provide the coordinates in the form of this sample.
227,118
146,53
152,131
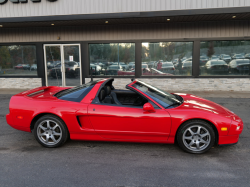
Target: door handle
93,109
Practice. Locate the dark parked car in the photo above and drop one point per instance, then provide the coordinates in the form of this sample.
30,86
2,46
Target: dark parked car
113,69
26,66
215,66
53,64
214,57
226,58
239,66
72,70
168,67
203,59
238,56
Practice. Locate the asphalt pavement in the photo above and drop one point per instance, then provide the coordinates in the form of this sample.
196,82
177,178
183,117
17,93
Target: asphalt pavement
24,162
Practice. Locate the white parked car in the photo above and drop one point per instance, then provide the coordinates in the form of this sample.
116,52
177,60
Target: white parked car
33,67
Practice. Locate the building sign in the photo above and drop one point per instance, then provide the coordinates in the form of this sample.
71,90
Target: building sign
22,1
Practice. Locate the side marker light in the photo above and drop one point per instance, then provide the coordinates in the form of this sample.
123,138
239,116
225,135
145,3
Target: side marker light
224,129
19,117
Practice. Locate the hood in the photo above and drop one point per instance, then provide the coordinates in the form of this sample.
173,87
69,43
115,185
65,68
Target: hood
198,103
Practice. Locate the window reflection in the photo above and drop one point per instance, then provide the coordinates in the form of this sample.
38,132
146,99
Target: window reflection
225,58
16,60
167,58
112,59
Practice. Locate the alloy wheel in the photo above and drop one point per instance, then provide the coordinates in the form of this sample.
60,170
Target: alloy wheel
196,138
49,132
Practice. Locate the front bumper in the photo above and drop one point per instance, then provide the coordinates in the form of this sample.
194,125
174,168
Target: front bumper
224,140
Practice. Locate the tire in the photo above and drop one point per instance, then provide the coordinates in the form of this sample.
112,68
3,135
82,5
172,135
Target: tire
192,141
50,131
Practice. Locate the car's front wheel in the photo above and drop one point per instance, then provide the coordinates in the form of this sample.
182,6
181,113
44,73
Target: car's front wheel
196,136
50,131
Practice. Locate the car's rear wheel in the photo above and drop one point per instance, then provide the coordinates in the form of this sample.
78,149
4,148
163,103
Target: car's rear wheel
50,131
196,136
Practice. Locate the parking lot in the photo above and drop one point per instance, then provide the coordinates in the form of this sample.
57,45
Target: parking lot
24,162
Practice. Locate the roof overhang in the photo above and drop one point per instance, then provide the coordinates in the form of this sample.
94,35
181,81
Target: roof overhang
216,14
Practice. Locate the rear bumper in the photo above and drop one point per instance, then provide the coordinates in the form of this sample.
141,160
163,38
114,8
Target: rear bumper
10,122
9,119
224,140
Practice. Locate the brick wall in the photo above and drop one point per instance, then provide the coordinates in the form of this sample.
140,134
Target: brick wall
185,84
22,83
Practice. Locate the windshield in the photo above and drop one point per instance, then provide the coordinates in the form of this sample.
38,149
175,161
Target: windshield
163,98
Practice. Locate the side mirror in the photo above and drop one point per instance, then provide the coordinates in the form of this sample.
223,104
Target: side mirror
148,107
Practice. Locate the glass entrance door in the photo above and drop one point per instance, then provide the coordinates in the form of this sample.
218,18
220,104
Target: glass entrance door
62,64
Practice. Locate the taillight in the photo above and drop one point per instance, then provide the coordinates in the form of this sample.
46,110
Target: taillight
172,68
68,69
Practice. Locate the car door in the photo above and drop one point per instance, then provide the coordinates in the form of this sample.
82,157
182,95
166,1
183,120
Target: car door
129,123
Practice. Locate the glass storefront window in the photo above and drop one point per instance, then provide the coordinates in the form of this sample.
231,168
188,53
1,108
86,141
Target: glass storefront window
167,58
18,60
112,59
224,58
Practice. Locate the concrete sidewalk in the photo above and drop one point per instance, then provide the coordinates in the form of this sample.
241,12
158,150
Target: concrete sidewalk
218,94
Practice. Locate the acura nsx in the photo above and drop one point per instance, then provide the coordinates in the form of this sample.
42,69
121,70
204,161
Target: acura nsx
140,113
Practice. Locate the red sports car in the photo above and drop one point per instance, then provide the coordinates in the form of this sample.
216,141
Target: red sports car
141,113
19,66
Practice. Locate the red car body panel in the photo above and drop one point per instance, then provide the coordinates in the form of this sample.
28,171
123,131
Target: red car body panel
88,121
18,67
